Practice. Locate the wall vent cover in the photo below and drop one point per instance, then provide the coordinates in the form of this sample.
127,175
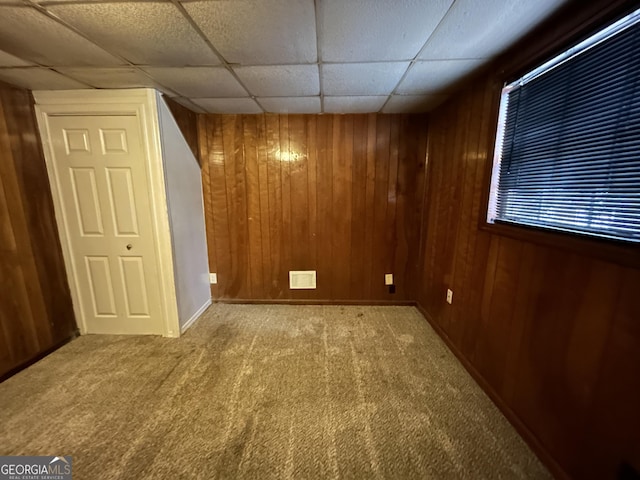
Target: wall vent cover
302,279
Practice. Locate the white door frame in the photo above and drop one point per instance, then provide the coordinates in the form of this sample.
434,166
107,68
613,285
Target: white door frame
140,102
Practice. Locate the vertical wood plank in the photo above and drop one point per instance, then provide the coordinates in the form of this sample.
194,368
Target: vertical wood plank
464,201
14,332
478,241
274,172
256,265
219,214
312,193
263,182
380,205
286,257
325,205
411,197
341,217
205,131
497,323
404,224
300,255
358,201
241,205
370,205
529,283
391,239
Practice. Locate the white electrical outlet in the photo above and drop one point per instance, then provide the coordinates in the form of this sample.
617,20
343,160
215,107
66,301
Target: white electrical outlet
213,278
449,296
388,278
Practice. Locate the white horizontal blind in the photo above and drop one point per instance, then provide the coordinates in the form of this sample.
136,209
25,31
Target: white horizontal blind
569,142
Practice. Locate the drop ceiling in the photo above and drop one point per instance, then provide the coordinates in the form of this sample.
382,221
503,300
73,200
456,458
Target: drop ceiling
254,56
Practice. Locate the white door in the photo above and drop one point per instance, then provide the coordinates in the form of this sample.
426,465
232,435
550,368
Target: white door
100,169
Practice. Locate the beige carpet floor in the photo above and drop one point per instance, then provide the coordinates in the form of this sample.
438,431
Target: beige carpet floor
265,392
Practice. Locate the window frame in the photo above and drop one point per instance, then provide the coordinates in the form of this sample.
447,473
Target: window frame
617,251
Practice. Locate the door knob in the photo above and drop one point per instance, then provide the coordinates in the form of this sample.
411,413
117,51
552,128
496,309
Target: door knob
129,247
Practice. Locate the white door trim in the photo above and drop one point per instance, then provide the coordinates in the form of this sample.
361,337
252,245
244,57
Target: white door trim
142,103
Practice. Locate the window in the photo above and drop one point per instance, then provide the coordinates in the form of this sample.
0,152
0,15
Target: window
567,153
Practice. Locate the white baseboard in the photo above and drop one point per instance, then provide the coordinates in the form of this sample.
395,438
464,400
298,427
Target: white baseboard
195,316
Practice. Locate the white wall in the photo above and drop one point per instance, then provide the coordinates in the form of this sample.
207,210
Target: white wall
186,215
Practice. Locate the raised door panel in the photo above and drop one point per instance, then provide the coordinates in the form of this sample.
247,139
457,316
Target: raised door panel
87,205
134,282
101,286
122,200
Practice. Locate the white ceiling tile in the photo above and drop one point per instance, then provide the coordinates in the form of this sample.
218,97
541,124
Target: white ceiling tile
365,30
228,105
37,78
248,32
361,78
474,29
368,104
114,77
8,60
143,33
28,34
198,81
290,104
436,76
413,103
280,81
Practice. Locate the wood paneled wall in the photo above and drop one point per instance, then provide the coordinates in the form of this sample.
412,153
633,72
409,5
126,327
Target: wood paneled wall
340,194
35,304
552,335
187,123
